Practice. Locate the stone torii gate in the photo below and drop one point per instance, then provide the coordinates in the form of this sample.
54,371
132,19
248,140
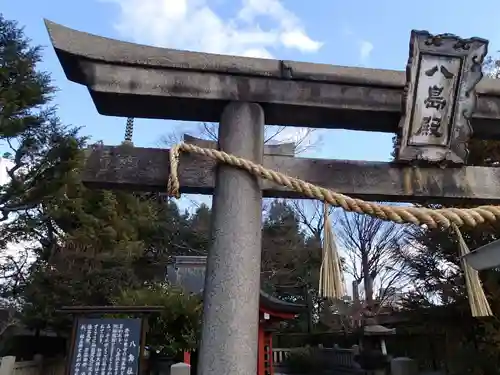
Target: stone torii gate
243,94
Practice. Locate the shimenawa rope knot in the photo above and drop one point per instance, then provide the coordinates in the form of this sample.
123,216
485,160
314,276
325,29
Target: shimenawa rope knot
433,218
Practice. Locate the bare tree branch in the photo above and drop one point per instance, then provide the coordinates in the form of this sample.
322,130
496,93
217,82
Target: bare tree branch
304,138
310,214
370,245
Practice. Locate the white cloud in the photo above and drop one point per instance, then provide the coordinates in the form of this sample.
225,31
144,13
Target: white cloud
297,39
194,25
365,49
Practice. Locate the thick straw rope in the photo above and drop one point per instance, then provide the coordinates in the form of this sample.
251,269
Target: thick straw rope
433,218
331,283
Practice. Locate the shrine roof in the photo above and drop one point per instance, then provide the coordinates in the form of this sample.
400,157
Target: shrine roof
132,80
273,304
189,273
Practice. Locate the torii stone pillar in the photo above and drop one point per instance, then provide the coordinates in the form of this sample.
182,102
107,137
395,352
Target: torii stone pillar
229,341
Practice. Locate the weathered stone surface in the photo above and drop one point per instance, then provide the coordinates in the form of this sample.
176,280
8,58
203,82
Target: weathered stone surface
146,169
442,74
180,85
232,280
180,369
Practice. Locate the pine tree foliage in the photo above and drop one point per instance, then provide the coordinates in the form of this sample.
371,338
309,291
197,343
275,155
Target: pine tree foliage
42,151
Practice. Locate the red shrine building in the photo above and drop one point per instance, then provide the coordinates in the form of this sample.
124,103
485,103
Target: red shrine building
189,273
272,311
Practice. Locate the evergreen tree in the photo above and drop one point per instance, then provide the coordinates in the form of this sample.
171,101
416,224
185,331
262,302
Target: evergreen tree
42,151
199,223
177,327
290,259
95,259
85,244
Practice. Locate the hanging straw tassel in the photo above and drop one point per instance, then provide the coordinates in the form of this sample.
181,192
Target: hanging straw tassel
331,285
477,300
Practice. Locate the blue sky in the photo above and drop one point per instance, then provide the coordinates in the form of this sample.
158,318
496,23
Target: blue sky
358,33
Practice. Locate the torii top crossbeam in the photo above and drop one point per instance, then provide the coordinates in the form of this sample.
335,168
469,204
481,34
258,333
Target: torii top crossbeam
180,85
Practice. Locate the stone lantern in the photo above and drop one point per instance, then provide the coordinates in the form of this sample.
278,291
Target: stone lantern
374,334
373,354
